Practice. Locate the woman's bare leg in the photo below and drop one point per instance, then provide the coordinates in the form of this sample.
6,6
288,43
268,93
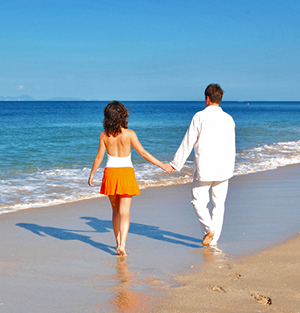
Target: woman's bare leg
124,210
115,203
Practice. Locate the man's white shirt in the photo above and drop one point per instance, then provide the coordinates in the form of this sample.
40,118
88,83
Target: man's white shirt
212,135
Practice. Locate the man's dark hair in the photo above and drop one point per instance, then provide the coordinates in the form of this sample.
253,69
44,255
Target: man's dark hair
214,92
115,117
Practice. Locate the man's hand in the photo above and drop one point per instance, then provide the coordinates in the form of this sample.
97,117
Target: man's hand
168,168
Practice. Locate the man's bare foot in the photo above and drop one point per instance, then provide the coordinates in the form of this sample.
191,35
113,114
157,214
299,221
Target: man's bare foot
122,251
207,238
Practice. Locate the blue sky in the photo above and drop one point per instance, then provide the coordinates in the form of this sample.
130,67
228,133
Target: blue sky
150,50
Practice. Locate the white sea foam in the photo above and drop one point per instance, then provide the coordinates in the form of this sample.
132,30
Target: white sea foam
57,186
268,157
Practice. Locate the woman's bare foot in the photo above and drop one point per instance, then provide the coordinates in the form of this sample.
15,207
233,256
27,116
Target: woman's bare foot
122,251
207,238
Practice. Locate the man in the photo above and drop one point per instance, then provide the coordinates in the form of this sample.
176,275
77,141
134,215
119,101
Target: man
212,135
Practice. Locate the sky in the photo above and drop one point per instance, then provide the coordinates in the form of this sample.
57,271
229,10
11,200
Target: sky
150,49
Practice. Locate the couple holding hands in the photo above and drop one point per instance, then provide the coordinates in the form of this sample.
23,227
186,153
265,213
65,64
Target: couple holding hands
212,136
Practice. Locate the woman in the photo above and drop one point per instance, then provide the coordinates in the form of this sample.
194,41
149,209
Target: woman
119,181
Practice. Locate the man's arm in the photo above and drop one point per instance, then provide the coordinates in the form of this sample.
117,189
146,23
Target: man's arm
186,145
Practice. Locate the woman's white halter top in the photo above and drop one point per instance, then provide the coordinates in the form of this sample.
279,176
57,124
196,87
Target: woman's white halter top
118,161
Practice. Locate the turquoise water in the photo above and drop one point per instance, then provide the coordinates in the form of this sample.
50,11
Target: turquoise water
47,148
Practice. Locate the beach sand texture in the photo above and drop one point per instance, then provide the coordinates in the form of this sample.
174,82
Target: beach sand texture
62,258
265,282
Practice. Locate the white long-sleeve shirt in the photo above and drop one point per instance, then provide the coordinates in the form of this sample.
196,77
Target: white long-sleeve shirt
212,135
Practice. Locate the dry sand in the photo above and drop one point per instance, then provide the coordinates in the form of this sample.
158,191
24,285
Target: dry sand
268,281
62,258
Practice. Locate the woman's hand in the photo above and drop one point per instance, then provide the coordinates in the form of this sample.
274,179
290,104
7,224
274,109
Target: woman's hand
90,181
167,167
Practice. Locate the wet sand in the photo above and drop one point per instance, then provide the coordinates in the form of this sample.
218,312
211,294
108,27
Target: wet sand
62,258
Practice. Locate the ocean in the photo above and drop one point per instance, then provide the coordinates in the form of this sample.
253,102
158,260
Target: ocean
47,148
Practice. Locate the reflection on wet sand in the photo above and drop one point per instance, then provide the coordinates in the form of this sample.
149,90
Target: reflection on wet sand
213,254
126,299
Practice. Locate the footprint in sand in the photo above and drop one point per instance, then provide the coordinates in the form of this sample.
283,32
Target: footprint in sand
235,276
262,299
218,289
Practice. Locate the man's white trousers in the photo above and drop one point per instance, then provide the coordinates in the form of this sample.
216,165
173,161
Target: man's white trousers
201,197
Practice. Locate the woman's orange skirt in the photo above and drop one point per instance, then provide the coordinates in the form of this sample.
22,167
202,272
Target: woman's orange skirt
119,181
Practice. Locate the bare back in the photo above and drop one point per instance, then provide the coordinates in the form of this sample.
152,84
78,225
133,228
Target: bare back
119,146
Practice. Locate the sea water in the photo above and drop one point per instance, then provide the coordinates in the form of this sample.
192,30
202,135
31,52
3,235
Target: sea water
47,148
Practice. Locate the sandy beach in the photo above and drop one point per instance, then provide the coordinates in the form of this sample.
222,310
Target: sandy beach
265,282
62,258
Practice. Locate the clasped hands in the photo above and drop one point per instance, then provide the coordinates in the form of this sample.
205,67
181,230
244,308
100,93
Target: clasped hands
168,168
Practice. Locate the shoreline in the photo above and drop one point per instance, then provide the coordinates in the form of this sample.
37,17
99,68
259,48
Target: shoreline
63,257
266,280
162,180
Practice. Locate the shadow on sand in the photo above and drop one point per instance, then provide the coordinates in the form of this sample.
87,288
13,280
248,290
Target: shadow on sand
104,226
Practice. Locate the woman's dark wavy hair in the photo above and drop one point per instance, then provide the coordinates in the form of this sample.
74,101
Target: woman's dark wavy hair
115,117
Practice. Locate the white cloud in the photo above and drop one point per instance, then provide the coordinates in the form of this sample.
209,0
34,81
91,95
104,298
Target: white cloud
21,87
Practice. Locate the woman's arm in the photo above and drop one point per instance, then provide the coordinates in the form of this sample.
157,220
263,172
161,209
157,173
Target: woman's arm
146,155
98,159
